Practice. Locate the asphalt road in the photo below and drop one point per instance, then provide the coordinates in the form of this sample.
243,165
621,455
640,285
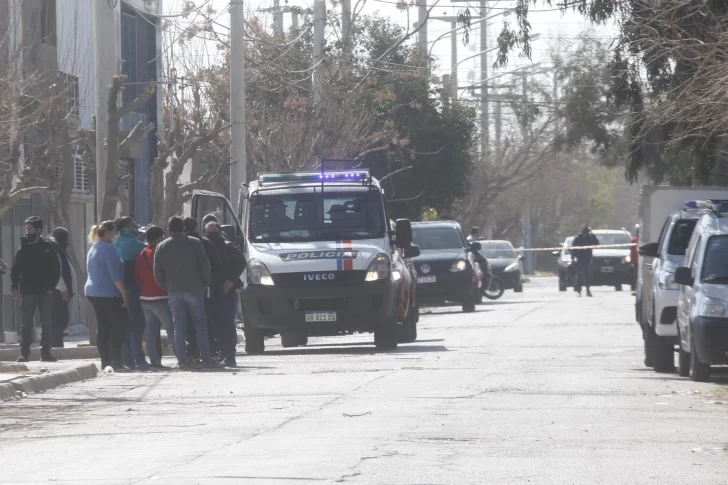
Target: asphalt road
538,388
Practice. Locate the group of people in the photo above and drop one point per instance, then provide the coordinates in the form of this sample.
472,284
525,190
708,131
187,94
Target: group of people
43,278
185,284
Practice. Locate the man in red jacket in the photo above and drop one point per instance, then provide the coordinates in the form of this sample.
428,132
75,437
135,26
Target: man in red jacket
154,299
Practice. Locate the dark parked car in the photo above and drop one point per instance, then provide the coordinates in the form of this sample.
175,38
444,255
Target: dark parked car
446,269
609,266
504,263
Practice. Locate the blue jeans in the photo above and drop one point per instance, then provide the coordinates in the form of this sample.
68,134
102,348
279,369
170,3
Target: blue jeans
157,313
193,302
133,352
223,307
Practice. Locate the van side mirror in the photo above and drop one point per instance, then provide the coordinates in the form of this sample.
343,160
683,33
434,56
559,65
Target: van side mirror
683,276
649,250
475,246
412,251
403,231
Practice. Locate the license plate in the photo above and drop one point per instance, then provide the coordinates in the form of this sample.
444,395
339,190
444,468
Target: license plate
426,279
321,316
607,269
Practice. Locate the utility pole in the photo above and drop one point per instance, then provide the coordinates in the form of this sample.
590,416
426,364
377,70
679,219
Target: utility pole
277,18
422,21
319,25
238,130
346,24
454,62
484,114
527,232
107,66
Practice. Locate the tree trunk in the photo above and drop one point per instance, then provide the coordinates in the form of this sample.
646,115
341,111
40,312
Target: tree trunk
110,197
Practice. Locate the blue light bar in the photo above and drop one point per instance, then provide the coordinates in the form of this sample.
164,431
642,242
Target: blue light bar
354,176
697,204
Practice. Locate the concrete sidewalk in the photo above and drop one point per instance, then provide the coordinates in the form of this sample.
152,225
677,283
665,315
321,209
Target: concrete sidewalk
17,380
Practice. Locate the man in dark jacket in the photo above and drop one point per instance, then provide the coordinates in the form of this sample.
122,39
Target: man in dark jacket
64,290
191,229
182,269
35,274
583,258
224,291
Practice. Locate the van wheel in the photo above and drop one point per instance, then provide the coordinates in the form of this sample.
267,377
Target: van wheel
407,332
618,287
683,361
385,336
663,353
699,372
648,347
254,341
518,288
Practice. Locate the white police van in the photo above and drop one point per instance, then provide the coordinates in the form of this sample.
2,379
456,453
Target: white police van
321,253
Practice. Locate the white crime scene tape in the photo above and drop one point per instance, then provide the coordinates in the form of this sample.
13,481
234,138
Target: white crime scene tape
576,248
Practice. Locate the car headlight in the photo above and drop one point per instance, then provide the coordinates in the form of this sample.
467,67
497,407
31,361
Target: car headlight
627,260
396,275
258,274
459,266
666,281
379,269
511,267
712,307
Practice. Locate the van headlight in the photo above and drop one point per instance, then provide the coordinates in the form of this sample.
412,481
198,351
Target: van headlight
459,266
258,274
627,260
379,269
511,267
713,308
666,281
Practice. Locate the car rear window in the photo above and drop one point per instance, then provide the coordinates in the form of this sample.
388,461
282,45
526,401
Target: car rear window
680,237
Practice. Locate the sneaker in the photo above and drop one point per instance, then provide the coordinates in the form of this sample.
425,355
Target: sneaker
159,366
21,359
48,358
588,293
195,360
143,366
228,362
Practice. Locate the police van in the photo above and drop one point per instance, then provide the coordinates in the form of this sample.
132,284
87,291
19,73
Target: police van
323,257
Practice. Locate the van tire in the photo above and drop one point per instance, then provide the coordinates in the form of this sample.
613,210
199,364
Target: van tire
699,372
663,352
254,341
683,361
407,331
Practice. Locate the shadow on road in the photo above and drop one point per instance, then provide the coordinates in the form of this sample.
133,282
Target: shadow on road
370,350
428,313
354,344
718,375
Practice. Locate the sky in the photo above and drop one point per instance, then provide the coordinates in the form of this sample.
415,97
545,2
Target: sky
549,22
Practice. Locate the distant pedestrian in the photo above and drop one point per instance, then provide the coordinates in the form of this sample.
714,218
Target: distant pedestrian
65,289
181,267
634,256
154,300
129,246
191,229
583,258
35,274
106,291
224,291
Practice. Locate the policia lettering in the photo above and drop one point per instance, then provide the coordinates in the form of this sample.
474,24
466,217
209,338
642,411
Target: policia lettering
305,255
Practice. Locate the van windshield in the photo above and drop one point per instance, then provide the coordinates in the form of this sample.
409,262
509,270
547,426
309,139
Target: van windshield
437,238
715,267
498,250
286,216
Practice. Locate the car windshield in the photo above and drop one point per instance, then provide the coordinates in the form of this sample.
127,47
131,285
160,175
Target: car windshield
680,237
715,266
613,238
287,217
434,238
498,250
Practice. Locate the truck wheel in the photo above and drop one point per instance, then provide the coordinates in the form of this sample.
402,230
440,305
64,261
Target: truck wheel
254,341
683,361
385,336
699,372
562,283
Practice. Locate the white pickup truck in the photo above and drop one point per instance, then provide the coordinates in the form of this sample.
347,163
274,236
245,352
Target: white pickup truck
666,224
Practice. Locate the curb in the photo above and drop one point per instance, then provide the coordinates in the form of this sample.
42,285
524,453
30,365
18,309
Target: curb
47,381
